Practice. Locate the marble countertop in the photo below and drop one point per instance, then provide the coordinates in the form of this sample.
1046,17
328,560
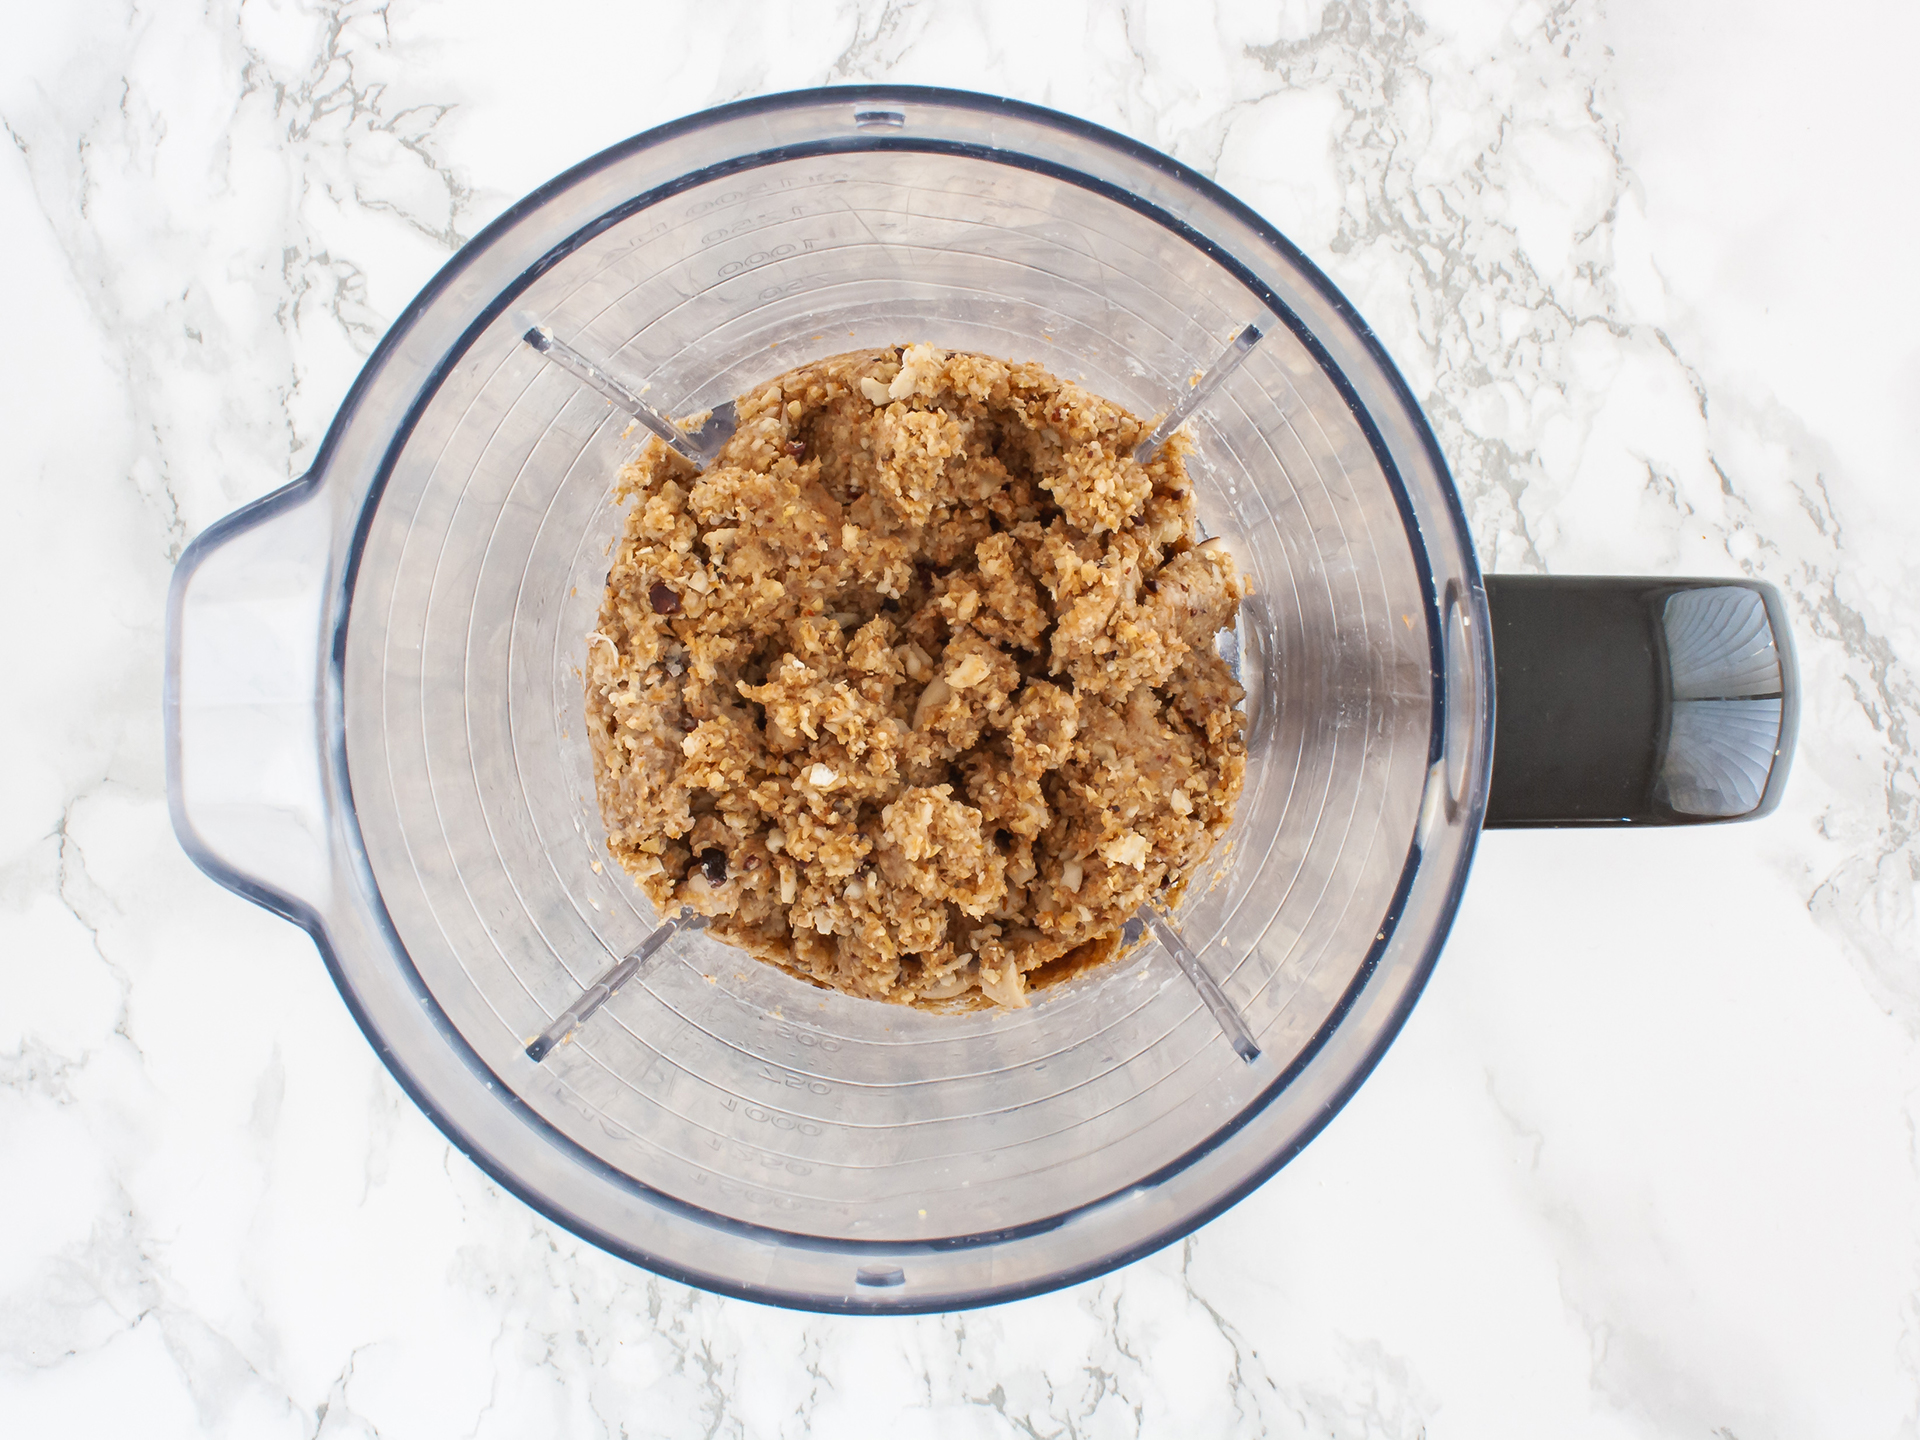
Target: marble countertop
1643,1162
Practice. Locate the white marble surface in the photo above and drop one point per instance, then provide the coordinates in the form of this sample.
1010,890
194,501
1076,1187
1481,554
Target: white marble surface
1643,1162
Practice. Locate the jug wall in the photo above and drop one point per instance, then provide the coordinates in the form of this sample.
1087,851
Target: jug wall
723,1121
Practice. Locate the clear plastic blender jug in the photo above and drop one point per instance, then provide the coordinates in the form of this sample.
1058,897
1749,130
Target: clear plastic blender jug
375,710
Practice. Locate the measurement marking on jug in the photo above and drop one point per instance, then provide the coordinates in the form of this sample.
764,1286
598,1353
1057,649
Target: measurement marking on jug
806,1037
752,222
767,1159
755,1195
777,1121
761,257
790,1081
792,287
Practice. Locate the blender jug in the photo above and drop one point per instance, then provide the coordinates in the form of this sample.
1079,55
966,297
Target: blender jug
375,717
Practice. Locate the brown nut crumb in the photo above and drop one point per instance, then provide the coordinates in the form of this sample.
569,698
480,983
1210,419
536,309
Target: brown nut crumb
941,706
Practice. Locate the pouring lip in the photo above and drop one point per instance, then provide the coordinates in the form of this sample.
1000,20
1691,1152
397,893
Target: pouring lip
888,138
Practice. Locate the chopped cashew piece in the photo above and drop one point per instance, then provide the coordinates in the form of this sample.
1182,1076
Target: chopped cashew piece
1128,849
937,693
969,672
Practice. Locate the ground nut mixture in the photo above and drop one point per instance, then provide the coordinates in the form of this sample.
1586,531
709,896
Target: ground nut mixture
914,690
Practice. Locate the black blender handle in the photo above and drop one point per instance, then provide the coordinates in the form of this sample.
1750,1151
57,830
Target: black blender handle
1638,701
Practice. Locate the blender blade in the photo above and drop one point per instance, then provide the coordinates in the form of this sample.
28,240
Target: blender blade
1209,381
701,446
603,989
